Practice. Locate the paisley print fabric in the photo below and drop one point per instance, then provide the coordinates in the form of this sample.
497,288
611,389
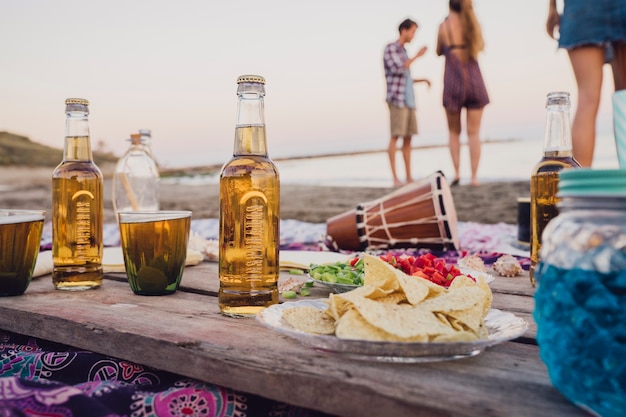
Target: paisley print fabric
41,378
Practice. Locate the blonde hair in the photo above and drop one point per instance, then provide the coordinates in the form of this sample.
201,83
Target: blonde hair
472,33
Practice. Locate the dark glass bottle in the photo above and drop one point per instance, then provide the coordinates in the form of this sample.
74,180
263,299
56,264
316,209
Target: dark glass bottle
249,211
544,182
77,207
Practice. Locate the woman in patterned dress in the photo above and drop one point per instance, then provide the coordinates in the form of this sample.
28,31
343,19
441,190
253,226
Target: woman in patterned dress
460,40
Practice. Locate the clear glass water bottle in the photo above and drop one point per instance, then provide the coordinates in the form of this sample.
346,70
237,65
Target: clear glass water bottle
77,207
580,301
146,139
249,235
136,178
557,155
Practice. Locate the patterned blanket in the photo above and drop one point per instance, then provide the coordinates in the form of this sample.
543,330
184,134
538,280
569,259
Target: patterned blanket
40,378
482,239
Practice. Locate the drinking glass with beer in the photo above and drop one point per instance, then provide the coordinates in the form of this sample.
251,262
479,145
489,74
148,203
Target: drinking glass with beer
20,237
154,244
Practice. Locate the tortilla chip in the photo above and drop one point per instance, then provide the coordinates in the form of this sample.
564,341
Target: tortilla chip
377,272
353,326
403,320
488,294
340,303
465,305
461,336
396,307
310,320
464,281
393,298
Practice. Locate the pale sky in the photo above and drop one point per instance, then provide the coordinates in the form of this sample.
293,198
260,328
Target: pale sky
171,66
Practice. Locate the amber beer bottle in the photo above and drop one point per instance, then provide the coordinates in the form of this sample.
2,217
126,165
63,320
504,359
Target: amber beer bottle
77,207
544,182
249,211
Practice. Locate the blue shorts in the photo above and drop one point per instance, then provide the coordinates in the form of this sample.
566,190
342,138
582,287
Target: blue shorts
593,22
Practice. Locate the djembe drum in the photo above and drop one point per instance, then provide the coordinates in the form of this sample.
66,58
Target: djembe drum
419,215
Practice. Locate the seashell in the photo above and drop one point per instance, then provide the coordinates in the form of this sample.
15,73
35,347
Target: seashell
290,284
507,266
473,262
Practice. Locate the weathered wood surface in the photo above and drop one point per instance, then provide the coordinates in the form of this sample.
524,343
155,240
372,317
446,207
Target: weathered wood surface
185,333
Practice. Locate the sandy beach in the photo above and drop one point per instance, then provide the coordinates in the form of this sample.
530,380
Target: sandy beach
494,202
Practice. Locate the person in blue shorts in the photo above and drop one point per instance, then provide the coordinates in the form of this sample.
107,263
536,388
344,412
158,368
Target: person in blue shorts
594,33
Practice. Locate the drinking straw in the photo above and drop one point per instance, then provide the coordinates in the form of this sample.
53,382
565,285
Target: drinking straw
129,191
619,125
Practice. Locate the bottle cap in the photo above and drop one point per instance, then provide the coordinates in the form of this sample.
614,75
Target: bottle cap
587,182
145,132
135,138
250,79
77,101
558,98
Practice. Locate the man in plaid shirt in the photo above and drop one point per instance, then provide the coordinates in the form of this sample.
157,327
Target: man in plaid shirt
400,97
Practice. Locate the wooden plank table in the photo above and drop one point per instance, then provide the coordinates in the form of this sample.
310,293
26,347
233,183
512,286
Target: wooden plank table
184,333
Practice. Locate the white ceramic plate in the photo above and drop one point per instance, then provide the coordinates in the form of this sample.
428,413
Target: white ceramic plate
502,326
302,259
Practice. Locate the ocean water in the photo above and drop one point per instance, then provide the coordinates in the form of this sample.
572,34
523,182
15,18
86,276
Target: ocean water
500,161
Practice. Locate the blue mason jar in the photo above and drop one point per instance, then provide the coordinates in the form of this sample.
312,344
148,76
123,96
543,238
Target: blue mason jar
580,302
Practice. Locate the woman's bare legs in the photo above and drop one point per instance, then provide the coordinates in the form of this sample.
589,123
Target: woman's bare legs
454,129
587,64
474,117
618,65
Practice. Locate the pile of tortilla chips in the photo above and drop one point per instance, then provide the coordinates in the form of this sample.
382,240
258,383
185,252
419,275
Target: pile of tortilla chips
393,306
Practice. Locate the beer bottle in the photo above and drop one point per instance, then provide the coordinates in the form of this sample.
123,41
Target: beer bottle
136,178
249,211
557,155
77,207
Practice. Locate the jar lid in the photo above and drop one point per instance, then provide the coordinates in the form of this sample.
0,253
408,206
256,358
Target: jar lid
77,101
588,182
250,79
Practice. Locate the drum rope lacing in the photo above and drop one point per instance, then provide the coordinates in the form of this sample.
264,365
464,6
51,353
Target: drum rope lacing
366,231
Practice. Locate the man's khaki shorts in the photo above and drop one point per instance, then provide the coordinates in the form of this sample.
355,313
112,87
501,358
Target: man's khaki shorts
402,121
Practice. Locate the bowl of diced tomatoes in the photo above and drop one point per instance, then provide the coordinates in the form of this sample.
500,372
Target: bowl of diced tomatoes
426,266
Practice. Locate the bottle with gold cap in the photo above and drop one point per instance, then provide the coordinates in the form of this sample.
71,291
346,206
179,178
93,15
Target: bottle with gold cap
249,211
136,178
544,180
77,207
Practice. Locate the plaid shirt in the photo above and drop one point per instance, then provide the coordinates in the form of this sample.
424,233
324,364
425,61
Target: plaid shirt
394,58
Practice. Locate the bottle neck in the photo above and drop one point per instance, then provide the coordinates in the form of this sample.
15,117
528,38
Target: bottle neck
77,144
558,134
146,137
250,126
136,147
